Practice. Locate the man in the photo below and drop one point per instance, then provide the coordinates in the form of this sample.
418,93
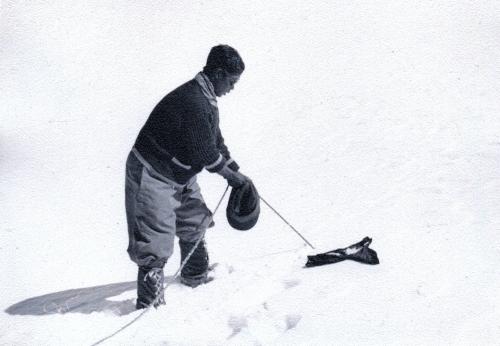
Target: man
180,138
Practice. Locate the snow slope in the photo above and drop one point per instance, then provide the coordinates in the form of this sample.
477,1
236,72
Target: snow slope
353,118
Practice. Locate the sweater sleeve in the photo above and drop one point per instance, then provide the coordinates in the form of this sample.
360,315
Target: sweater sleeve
225,152
201,142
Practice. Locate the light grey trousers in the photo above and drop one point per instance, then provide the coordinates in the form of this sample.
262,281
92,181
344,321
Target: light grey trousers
158,210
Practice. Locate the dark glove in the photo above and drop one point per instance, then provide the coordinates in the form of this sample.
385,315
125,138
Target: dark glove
234,179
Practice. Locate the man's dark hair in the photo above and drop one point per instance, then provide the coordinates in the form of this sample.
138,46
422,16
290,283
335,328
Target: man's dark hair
225,57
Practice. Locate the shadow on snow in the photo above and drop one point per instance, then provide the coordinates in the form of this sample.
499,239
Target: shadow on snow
81,300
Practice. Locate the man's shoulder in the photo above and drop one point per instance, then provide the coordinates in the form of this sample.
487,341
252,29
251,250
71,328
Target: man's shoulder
187,98
191,96
187,90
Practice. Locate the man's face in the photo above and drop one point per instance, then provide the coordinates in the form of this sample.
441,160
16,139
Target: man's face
225,82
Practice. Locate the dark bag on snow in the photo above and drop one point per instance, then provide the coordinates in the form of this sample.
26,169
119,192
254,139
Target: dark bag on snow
359,252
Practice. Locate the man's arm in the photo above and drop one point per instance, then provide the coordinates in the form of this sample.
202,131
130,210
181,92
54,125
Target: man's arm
225,152
201,143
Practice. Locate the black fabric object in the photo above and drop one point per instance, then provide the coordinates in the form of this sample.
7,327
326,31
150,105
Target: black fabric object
150,287
359,252
243,207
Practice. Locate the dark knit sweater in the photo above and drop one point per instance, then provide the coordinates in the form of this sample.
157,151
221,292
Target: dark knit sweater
182,135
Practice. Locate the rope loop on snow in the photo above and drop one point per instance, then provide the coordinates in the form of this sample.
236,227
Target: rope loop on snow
171,280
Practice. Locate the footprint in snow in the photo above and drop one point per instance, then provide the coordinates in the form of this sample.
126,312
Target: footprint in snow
292,320
291,283
237,323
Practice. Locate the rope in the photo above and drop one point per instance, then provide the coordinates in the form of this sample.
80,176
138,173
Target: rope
135,319
171,281
282,218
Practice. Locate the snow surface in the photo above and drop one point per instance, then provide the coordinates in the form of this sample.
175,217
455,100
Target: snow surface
353,118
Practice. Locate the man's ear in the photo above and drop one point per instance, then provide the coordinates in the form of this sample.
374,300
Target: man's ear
219,73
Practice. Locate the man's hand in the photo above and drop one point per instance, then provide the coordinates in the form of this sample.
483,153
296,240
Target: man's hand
234,179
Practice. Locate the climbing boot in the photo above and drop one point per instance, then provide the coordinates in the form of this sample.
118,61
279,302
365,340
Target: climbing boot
195,272
150,287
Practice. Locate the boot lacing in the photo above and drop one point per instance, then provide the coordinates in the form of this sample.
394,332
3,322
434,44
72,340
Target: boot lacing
154,276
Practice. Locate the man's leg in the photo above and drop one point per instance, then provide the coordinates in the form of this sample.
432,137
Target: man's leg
150,204
193,218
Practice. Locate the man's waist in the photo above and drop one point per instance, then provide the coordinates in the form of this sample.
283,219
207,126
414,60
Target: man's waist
165,164
149,146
